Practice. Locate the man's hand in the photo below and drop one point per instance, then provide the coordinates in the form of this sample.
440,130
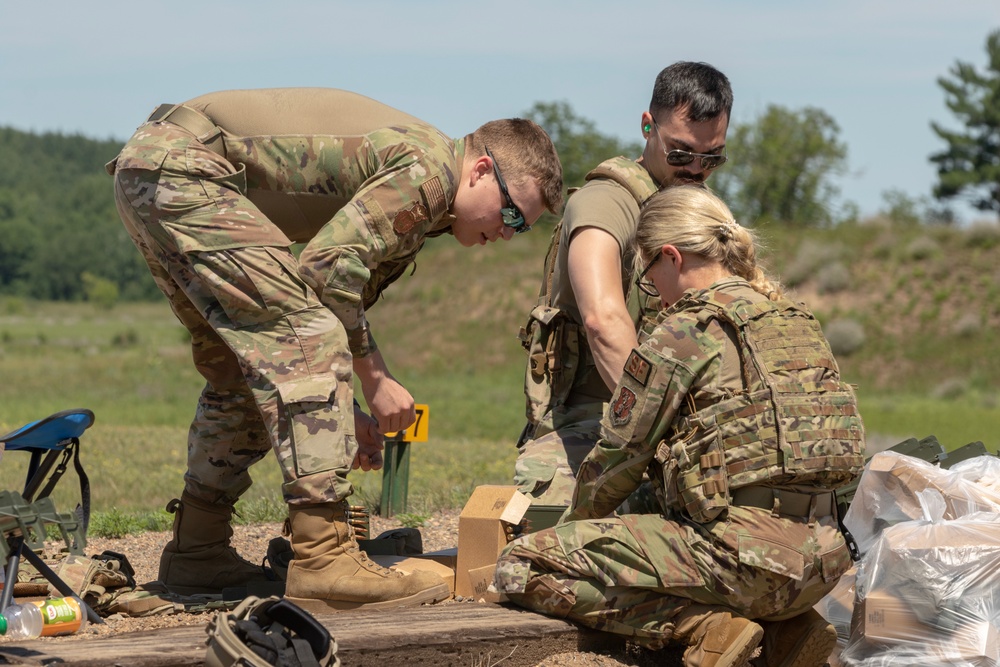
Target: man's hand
370,442
391,404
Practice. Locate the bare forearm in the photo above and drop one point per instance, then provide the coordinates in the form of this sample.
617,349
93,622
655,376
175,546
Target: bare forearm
611,340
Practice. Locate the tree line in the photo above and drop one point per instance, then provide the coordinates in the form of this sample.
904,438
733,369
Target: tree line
62,239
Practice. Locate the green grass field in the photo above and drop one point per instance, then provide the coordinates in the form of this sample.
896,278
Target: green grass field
448,332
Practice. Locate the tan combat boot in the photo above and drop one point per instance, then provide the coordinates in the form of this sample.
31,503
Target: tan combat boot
716,638
330,573
199,558
806,640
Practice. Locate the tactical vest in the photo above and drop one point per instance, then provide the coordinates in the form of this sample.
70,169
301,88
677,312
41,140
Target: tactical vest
795,422
559,356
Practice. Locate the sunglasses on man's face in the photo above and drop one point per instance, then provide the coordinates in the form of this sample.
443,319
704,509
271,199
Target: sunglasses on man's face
679,158
511,214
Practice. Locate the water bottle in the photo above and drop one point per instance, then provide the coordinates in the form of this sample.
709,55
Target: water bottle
21,621
43,618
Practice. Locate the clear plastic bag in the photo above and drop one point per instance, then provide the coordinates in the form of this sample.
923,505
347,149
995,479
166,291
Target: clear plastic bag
983,470
837,607
888,488
928,592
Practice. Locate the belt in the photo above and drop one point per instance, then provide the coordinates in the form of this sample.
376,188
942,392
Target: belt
195,122
782,501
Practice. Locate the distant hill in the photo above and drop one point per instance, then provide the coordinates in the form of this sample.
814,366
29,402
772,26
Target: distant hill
911,309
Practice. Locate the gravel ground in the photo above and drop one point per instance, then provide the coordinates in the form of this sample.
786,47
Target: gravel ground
440,531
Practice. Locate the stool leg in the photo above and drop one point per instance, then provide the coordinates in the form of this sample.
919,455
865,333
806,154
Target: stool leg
10,574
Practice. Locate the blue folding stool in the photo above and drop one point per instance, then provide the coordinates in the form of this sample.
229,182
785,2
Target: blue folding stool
52,442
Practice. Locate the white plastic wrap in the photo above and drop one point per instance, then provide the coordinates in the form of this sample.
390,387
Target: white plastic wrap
983,470
837,607
888,488
928,593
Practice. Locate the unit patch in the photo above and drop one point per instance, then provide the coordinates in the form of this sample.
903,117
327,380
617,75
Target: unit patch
638,368
621,409
409,218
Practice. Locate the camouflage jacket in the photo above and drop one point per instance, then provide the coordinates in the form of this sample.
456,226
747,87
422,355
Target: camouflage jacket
728,390
360,183
401,181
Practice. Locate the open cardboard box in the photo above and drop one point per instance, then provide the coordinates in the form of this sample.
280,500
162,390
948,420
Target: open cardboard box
484,525
441,562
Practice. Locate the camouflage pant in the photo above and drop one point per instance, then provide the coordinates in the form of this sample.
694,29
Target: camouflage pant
636,574
547,465
276,362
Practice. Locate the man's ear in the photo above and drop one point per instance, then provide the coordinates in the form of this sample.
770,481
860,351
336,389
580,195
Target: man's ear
479,168
646,124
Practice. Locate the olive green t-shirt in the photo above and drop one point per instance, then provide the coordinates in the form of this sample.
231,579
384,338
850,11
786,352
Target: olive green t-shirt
602,204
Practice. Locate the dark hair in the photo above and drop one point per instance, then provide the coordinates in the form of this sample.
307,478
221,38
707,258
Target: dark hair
700,88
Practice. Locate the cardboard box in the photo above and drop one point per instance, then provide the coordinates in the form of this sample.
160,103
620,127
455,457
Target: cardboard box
888,620
408,564
481,582
483,528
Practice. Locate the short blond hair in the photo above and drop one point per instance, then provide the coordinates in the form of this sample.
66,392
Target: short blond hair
523,151
694,220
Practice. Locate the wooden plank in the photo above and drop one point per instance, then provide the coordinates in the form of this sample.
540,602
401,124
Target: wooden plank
450,634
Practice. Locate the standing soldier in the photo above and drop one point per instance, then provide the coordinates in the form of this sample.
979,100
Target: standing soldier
585,322
214,192
735,408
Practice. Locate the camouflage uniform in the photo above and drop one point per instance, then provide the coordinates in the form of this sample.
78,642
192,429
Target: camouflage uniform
735,407
565,394
213,197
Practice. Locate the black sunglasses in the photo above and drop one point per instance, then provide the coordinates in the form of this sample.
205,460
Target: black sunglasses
679,158
512,216
647,286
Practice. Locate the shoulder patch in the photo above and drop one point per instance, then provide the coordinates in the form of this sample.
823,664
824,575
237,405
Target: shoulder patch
433,192
638,367
408,218
621,408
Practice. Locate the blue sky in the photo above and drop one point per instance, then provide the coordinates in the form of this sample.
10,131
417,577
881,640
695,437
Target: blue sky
98,68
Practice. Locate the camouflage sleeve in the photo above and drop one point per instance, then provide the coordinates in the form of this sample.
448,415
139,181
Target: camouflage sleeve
649,395
405,196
